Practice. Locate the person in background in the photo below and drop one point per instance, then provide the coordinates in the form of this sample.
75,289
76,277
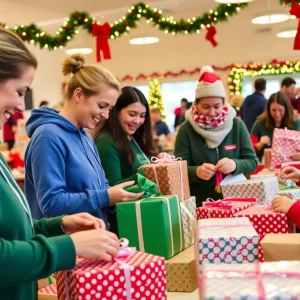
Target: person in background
29,249
213,141
10,128
180,112
44,103
159,127
63,169
254,104
125,141
236,102
288,87
286,205
278,114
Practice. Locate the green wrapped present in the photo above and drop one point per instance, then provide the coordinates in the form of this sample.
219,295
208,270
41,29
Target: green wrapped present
152,225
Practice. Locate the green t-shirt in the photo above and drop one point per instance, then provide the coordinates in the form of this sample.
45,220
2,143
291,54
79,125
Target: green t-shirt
114,162
259,129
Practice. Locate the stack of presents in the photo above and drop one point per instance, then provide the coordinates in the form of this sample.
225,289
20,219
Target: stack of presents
234,248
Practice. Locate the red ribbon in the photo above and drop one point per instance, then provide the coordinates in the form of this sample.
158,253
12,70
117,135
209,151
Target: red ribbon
103,33
295,11
210,35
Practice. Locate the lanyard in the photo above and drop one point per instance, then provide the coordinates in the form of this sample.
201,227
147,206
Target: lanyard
146,158
17,191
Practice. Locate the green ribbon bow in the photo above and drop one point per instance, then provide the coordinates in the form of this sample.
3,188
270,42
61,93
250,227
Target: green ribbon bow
143,184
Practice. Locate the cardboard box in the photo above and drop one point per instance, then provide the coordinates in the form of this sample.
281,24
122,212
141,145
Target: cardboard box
181,272
278,247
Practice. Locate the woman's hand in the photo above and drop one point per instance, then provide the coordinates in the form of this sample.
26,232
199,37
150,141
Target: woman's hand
81,222
282,204
97,243
118,194
206,171
290,173
226,166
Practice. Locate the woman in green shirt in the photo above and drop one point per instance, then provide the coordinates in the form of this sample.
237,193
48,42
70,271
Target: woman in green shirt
29,249
278,114
125,141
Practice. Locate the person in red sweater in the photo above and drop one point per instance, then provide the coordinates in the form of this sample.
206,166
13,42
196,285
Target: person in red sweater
284,204
9,129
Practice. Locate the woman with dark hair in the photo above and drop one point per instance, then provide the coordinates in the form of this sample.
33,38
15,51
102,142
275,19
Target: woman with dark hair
125,141
212,140
278,114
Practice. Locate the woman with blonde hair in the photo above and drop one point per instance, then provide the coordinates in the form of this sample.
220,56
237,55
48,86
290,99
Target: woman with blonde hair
63,169
29,249
236,102
278,114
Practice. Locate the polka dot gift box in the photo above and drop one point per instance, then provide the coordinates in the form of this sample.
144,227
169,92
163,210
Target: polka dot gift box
139,276
229,241
262,189
272,280
265,220
171,177
225,208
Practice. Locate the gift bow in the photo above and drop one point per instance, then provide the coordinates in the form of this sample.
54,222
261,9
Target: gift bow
168,159
295,11
143,184
102,32
226,204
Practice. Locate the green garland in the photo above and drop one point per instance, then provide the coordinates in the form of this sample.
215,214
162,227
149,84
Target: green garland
33,34
288,2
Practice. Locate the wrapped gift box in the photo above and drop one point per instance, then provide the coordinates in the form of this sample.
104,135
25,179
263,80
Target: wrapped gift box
48,292
277,247
265,220
262,176
293,193
294,164
276,280
152,225
172,178
188,215
226,241
181,272
141,275
285,142
225,208
264,189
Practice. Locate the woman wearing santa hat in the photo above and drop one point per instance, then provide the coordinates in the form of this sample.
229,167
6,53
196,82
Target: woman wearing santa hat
212,140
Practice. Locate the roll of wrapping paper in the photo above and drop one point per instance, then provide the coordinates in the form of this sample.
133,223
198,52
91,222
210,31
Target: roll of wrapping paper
219,179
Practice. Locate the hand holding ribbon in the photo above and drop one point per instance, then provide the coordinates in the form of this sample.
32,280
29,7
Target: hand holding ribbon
142,184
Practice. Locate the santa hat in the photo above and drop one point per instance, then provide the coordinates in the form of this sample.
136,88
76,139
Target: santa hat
210,84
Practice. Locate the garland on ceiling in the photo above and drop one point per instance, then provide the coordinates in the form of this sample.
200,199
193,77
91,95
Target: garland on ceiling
237,73
35,35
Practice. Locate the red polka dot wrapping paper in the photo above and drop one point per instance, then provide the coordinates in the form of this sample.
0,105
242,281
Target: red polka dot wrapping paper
265,220
285,142
169,178
237,204
48,292
94,279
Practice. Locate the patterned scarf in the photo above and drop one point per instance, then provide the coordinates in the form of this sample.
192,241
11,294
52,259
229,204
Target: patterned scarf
209,122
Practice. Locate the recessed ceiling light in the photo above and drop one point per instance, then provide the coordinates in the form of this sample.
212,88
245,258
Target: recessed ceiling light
79,50
271,17
233,1
144,40
287,33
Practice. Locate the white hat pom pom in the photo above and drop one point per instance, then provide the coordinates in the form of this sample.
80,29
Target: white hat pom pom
206,69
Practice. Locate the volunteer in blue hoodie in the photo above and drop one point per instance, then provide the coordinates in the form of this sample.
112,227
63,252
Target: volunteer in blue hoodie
63,169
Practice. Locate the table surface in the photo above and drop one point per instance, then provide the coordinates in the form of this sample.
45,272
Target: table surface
183,296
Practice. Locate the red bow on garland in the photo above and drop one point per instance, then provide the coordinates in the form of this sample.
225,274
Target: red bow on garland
102,32
295,11
210,35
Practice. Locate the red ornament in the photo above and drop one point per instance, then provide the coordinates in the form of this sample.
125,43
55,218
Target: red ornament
186,27
125,23
157,15
68,27
61,39
44,37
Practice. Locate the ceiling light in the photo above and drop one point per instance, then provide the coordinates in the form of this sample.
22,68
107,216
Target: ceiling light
271,17
144,40
79,50
287,33
233,1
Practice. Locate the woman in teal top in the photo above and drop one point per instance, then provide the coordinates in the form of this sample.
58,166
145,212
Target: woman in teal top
29,249
125,141
278,114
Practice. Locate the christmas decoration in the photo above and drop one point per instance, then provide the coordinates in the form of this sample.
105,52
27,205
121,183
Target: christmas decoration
32,34
235,79
102,32
210,35
295,11
155,98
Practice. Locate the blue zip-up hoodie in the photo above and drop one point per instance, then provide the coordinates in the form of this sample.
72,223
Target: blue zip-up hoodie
63,169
